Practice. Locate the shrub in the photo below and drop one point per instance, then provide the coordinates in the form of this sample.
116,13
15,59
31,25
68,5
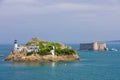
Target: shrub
30,53
64,51
41,45
44,51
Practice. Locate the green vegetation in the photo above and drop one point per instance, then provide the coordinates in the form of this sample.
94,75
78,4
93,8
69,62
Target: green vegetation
46,47
65,51
30,53
44,51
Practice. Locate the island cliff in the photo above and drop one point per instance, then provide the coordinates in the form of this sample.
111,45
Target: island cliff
37,50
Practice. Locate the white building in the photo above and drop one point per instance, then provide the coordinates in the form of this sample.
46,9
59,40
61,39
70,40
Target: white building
16,47
29,49
33,48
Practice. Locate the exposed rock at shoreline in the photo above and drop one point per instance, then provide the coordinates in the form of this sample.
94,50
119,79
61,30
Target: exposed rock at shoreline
18,57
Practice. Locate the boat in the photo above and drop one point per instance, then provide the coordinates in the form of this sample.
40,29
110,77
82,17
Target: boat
113,49
1,55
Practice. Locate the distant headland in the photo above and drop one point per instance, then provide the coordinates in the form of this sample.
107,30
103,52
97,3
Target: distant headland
113,42
37,50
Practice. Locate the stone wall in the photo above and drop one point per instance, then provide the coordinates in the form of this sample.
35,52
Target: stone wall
95,46
86,46
99,46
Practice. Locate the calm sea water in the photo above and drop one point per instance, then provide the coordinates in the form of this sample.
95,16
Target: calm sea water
93,66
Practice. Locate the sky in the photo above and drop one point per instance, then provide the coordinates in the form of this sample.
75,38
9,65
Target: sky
65,21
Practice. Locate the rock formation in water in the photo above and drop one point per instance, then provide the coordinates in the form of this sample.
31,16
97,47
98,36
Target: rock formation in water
37,50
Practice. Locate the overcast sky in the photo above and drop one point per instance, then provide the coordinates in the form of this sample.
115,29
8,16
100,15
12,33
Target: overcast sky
66,21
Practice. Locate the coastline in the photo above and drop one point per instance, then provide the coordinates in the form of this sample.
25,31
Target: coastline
18,57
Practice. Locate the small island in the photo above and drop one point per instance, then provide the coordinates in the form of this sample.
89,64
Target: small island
37,50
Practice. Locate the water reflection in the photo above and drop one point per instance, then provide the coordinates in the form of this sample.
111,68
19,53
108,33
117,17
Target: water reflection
39,64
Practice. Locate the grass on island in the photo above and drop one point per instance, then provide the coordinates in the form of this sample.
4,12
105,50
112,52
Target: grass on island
45,47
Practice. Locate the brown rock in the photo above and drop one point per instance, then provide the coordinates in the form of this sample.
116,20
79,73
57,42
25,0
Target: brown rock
19,57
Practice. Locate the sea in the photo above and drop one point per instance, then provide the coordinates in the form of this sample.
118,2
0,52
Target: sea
93,65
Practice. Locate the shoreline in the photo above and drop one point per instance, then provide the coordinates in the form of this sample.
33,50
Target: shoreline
18,57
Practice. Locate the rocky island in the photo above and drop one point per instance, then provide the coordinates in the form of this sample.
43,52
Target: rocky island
37,50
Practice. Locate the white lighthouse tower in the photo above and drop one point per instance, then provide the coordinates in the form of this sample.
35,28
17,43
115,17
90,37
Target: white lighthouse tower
15,45
53,51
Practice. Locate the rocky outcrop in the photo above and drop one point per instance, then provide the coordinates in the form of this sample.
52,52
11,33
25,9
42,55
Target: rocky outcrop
37,50
15,56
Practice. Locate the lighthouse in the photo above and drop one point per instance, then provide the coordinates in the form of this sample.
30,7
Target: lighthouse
53,51
15,45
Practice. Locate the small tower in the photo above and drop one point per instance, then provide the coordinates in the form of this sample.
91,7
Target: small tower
53,51
15,45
